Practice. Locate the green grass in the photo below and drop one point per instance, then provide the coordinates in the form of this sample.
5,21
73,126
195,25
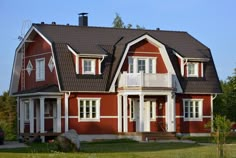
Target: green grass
120,148
229,139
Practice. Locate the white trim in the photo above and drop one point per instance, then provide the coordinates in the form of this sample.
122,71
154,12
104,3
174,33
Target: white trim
125,113
29,67
40,70
206,116
202,69
162,51
97,107
66,104
160,116
51,64
39,93
36,55
119,113
179,116
200,110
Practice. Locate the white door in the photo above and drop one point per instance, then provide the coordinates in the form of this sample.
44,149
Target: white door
146,116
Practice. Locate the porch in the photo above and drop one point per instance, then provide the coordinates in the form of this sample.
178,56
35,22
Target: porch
143,111
39,117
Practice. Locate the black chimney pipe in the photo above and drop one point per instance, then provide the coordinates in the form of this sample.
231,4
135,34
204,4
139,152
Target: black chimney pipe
83,19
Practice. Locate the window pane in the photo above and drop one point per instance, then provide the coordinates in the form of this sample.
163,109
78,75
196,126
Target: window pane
191,69
186,109
196,109
131,65
87,66
94,111
150,66
87,109
81,111
141,65
151,108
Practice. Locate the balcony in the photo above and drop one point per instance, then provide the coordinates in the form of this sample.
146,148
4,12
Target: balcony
145,80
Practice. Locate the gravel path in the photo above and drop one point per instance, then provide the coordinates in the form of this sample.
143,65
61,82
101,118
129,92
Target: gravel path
12,144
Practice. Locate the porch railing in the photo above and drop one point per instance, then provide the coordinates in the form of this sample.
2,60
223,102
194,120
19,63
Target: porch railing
145,80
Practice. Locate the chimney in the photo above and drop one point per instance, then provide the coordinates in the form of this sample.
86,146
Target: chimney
83,19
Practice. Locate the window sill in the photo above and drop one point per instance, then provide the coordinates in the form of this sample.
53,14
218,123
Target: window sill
89,120
38,80
192,119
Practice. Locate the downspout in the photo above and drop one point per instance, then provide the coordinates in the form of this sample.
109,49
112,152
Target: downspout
185,62
100,64
67,96
212,99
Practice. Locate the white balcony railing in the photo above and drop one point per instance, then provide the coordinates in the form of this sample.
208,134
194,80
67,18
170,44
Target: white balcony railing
145,80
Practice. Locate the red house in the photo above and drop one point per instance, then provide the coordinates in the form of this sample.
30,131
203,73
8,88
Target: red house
111,83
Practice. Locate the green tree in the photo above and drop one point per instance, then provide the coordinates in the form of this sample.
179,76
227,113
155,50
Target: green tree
8,115
225,104
221,127
118,23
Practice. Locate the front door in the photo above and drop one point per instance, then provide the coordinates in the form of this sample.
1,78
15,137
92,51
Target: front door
146,115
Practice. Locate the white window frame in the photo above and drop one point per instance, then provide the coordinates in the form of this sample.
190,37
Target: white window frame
195,74
40,69
200,109
90,119
29,67
93,66
51,64
153,108
27,111
134,62
132,110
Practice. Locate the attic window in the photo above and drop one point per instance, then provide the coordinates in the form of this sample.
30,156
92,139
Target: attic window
192,69
29,67
51,64
89,66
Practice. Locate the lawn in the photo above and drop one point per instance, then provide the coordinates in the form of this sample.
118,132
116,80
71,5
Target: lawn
123,148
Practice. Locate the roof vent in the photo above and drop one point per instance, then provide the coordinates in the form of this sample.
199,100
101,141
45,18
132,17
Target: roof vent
83,19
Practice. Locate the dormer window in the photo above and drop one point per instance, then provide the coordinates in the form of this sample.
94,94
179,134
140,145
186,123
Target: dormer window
89,66
192,69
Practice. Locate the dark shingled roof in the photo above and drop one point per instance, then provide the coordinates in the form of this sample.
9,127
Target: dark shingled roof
112,42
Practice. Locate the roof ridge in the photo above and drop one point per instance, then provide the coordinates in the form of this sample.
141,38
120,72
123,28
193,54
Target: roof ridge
103,27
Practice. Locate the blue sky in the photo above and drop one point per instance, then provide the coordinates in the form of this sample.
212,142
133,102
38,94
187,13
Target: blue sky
213,22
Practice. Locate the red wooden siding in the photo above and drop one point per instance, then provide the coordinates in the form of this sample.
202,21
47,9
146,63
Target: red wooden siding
192,126
146,49
38,49
108,107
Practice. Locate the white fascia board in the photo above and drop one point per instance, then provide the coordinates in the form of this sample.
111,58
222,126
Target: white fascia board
72,50
163,54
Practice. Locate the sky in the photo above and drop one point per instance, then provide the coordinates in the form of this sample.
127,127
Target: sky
212,22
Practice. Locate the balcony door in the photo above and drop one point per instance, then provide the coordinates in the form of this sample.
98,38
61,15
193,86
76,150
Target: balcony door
144,64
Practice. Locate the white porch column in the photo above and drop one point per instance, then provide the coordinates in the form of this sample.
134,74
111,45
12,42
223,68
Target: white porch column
170,113
22,116
119,113
37,117
125,114
18,116
31,115
59,115
141,105
42,114
66,112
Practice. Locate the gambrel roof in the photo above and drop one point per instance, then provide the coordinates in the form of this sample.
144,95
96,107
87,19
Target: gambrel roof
112,43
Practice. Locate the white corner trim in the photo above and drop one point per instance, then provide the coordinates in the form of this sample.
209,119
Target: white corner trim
163,54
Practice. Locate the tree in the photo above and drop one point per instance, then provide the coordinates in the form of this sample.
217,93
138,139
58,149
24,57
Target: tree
221,127
225,104
118,23
8,115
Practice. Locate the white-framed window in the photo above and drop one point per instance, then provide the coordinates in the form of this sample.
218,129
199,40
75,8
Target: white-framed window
88,109
131,65
192,69
132,110
29,67
26,109
152,110
192,109
40,69
89,66
51,64
137,64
